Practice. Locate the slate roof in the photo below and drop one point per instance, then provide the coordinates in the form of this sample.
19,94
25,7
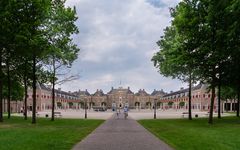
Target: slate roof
99,93
57,91
158,93
127,91
183,90
83,93
142,92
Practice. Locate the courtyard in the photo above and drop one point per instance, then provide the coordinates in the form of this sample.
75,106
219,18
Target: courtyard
134,114
169,131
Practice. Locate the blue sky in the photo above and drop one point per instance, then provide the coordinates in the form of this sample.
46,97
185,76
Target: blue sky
117,40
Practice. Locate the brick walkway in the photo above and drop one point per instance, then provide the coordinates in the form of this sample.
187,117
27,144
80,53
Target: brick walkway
121,134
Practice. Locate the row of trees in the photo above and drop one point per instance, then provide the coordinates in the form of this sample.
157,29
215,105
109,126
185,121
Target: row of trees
35,42
203,44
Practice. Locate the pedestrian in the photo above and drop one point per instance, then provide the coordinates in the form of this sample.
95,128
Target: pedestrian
125,112
117,113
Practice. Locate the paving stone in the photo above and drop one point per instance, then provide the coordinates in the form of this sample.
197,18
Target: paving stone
118,133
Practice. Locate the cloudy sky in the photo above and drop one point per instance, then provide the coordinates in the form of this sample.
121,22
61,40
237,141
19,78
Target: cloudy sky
117,40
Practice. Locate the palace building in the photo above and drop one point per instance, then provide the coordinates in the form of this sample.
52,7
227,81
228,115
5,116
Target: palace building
120,97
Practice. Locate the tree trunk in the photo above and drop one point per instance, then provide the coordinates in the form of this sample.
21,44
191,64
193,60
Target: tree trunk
1,96
190,98
9,90
238,101
34,89
219,98
210,120
53,89
25,91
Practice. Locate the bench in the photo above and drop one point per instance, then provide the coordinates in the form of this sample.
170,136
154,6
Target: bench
57,114
184,113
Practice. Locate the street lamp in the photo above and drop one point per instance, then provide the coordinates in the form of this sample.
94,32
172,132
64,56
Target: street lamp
85,108
155,108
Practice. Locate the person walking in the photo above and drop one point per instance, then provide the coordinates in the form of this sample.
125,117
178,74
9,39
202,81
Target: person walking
125,112
117,112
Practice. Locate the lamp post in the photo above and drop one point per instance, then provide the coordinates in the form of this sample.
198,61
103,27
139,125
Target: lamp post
85,108
155,108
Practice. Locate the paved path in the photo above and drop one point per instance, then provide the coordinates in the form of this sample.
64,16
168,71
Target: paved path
120,134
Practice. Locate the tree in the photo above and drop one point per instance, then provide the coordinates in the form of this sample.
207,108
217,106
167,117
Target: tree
170,104
4,38
177,51
181,104
200,33
233,38
34,13
62,51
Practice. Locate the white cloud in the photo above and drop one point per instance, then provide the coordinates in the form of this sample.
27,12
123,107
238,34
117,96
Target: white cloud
117,40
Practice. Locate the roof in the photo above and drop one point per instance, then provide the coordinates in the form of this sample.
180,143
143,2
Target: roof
183,90
44,87
99,93
142,92
57,91
158,93
83,93
120,89
65,93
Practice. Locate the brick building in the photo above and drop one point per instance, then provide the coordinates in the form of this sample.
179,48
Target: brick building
120,97
201,97
63,100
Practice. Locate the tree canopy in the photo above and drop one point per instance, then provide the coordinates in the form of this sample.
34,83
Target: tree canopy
203,40
32,32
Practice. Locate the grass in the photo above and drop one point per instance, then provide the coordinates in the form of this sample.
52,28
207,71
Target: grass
197,134
61,134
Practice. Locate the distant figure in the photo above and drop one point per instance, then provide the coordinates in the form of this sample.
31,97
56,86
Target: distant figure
119,110
125,112
117,113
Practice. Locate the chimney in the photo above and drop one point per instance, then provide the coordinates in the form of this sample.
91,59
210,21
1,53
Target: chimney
59,89
128,88
112,88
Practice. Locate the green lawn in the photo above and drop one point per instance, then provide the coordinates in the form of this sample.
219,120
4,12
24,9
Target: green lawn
197,134
18,134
